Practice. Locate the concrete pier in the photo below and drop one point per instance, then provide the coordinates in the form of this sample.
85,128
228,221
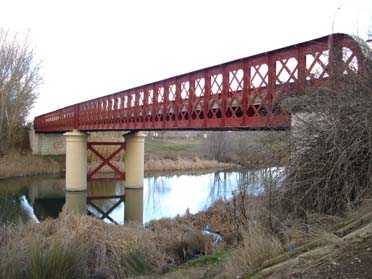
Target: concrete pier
76,161
76,202
134,175
134,159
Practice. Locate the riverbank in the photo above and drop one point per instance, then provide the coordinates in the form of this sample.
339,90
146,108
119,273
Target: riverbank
83,247
155,163
15,164
173,151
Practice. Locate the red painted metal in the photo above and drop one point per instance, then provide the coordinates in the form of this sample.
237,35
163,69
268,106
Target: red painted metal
241,94
106,161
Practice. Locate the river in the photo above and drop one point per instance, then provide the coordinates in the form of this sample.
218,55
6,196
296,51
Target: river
164,195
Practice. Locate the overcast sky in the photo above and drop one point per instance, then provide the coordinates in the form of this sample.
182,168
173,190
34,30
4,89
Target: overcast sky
93,48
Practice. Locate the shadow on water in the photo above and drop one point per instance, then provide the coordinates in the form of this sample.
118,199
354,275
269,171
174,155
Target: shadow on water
164,195
31,198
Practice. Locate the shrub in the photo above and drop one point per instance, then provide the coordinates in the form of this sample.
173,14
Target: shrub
192,244
330,166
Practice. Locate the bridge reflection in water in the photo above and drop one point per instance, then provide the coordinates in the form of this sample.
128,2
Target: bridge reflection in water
38,198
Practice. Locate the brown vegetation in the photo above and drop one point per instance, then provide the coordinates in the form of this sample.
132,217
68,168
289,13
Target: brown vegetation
329,169
155,163
248,148
80,246
16,164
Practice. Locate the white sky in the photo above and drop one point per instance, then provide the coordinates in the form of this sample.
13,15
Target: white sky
91,48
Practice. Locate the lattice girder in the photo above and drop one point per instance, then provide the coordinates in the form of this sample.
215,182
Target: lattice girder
245,93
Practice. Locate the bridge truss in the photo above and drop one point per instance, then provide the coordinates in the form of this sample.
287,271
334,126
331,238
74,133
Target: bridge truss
242,94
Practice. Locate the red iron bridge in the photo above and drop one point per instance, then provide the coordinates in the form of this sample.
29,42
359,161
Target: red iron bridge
245,93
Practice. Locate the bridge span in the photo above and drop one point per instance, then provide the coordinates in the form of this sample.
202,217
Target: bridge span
241,94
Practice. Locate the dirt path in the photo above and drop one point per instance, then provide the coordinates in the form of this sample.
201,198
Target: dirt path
345,257
351,261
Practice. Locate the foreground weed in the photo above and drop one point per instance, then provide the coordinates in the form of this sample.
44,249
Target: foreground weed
57,261
137,263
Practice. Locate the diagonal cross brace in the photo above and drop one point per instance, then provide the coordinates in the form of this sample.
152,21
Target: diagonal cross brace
106,161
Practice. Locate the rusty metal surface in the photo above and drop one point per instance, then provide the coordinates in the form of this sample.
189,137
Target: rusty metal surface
241,94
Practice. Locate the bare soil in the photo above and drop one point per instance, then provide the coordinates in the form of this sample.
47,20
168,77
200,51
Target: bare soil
353,260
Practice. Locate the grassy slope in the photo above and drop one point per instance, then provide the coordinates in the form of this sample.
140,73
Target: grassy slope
172,147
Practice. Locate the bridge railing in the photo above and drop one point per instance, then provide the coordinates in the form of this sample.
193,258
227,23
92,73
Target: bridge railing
244,93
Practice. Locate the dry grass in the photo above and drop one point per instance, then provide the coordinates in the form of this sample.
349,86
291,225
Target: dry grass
257,245
106,136
87,246
117,251
15,164
160,156
91,246
105,150
155,163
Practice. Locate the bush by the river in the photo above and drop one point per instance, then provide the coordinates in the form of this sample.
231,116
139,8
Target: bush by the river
81,246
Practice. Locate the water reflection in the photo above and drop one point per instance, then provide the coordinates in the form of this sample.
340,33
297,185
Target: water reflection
11,209
173,195
30,198
106,201
36,198
133,210
76,202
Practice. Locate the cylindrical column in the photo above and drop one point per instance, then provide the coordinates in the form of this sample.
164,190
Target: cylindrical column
134,174
76,202
76,161
134,159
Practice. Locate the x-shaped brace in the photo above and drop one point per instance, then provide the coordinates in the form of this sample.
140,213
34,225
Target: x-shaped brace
106,161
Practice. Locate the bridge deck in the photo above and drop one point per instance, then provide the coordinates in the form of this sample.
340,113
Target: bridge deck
242,94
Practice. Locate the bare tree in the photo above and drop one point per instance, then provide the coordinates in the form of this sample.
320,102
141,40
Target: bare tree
19,80
217,144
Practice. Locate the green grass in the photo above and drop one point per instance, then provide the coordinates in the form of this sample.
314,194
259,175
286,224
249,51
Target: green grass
199,263
251,275
136,263
170,146
207,259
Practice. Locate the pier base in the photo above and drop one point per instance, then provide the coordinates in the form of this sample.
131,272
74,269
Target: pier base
76,202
